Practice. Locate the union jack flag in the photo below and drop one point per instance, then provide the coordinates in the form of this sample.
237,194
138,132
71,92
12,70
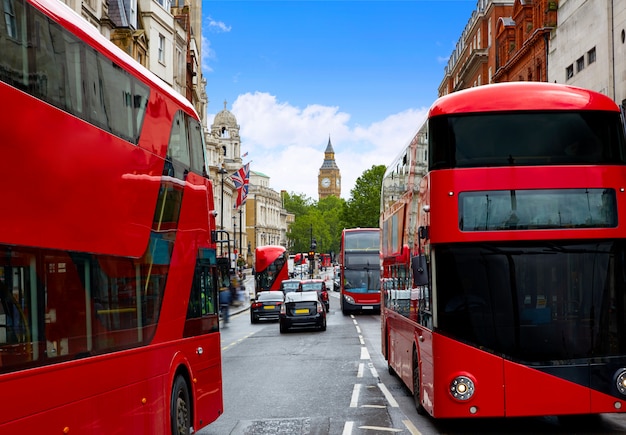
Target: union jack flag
241,179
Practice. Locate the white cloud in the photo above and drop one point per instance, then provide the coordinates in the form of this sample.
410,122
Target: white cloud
217,26
287,143
208,54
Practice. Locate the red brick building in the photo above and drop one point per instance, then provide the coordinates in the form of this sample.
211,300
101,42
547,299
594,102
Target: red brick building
504,40
473,62
522,41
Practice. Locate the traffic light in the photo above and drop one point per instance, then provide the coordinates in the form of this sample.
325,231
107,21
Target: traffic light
311,255
313,245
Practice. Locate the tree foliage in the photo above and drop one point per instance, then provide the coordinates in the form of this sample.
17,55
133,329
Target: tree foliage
363,207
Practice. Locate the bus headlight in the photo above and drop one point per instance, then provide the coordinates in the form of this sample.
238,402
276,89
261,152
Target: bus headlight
620,381
349,299
462,388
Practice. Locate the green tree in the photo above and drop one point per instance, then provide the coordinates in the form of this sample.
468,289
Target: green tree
298,204
363,207
331,209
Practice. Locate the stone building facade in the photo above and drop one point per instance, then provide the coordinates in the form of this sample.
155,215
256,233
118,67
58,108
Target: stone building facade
267,219
588,48
160,35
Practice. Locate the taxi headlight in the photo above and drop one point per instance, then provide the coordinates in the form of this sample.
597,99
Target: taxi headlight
462,388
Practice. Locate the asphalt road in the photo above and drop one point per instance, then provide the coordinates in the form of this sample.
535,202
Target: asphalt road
336,382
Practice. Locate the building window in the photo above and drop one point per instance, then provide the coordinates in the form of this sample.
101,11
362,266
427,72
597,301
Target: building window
161,48
580,64
569,72
591,56
9,19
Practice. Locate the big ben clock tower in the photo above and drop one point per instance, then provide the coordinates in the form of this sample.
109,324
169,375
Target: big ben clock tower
329,178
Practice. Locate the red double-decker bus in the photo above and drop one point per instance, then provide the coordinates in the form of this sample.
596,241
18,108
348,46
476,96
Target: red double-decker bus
270,267
108,302
504,254
359,270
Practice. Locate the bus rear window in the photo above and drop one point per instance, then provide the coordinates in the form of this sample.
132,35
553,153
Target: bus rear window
498,210
526,139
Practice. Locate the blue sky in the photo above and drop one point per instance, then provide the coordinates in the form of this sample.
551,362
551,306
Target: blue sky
295,73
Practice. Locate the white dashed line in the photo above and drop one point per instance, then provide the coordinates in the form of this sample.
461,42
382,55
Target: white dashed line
347,428
411,428
364,353
359,373
388,396
354,402
380,429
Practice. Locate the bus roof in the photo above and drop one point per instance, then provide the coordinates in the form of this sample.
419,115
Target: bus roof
266,254
519,96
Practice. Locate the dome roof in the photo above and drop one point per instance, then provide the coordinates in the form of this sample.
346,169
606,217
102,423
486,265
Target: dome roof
225,118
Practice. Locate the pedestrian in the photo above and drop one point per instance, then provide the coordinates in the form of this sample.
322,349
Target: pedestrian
225,299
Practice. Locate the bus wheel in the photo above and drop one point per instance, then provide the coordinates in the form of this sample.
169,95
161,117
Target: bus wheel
416,385
180,408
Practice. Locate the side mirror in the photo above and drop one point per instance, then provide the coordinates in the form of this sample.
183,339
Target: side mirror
420,270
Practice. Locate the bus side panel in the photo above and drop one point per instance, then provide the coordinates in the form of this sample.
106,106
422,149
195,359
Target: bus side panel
400,343
206,373
201,353
531,392
485,369
427,367
95,395
56,197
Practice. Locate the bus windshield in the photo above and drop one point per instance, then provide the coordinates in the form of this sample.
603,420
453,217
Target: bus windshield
525,139
536,302
362,280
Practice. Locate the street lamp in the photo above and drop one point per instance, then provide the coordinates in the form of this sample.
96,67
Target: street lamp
235,232
240,230
222,171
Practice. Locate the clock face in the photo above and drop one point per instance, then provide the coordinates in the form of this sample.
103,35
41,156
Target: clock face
325,182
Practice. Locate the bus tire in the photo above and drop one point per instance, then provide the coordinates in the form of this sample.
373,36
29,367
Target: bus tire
180,408
416,385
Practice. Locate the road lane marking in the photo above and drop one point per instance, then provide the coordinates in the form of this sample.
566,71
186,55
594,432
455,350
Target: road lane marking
354,401
380,429
347,428
364,353
237,341
388,395
359,373
411,428
373,370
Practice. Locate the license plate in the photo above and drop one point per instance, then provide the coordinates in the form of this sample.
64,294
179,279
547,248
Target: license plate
269,307
302,311
368,307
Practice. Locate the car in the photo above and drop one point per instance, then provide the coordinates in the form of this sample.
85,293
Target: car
317,285
302,309
289,285
266,306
